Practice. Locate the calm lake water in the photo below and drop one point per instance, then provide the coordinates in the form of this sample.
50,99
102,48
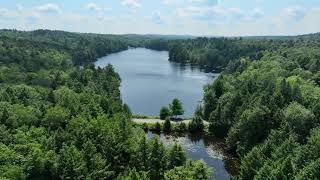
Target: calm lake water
150,81
206,148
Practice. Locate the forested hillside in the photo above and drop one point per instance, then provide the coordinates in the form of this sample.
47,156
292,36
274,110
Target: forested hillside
62,118
268,111
61,121
214,54
82,48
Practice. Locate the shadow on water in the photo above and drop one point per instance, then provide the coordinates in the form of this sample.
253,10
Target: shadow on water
211,150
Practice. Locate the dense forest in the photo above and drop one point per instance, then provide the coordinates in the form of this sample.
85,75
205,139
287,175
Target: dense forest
62,118
214,54
59,120
268,110
83,48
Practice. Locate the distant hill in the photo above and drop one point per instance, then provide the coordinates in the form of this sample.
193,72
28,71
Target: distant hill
158,36
313,36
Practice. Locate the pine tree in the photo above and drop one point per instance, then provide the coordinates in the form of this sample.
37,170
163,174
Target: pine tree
177,156
142,157
167,125
5,116
157,158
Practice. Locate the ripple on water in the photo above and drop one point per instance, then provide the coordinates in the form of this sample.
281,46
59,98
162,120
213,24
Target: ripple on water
215,152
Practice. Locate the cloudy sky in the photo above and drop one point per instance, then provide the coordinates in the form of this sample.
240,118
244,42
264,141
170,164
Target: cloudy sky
193,17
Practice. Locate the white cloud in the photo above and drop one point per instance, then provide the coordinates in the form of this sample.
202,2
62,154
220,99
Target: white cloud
93,7
169,1
296,12
198,1
4,12
209,13
49,8
192,11
19,7
157,18
257,13
8,14
131,3
235,10
186,18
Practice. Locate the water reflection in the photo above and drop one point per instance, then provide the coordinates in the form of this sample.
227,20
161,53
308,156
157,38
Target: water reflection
209,149
150,81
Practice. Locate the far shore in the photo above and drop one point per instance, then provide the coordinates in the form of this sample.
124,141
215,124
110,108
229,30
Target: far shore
155,120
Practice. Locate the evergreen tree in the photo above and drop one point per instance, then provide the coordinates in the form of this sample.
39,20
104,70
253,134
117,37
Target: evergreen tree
157,127
196,124
157,158
71,163
4,116
176,108
177,156
167,125
142,157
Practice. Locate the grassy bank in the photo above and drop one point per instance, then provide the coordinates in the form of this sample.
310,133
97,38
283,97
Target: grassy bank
178,127
139,116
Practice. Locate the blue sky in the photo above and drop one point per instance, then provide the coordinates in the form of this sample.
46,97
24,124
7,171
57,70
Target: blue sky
194,17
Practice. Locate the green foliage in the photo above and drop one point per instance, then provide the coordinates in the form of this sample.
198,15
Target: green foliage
157,44
213,54
268,109
196,124
250,130
298,120
180,127
192,170
167,125
176,108
56,117
134,175
71,163
311,171
60,121
157,158
176,156
157,127
164,113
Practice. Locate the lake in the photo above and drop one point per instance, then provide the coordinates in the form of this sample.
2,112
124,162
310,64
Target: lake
207,148
150,81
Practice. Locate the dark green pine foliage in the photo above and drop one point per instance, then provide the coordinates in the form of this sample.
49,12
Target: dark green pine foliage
176,156
158,159
167,126
268,110
61,121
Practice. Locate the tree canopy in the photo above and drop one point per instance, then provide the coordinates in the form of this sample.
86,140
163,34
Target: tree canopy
267,108
176,107
59,120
